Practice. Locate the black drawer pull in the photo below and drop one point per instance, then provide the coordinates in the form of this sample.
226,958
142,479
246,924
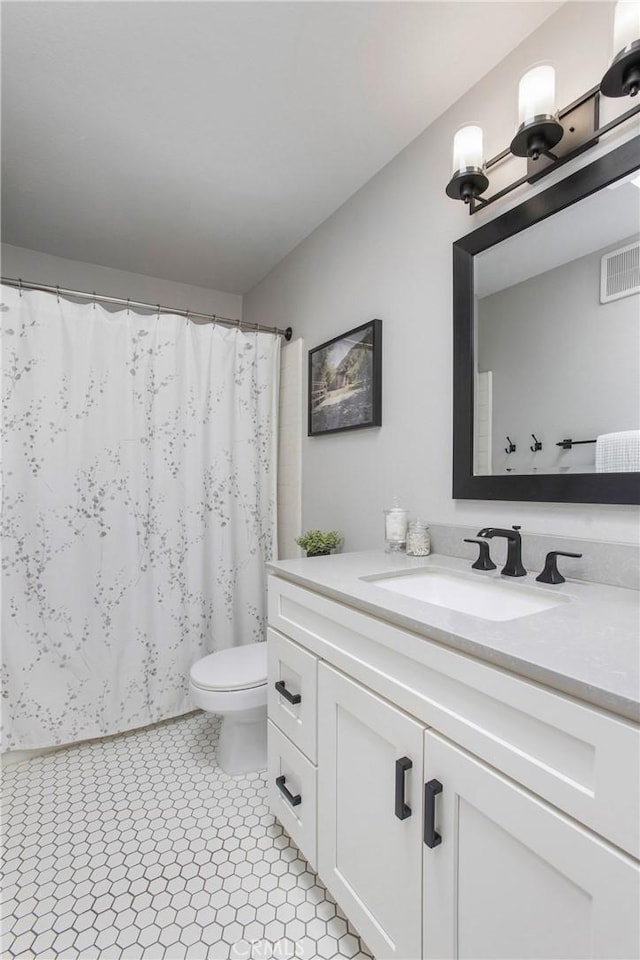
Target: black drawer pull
282,690
403,810
294,799
431,790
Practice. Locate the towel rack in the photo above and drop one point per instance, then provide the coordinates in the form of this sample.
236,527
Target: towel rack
567,444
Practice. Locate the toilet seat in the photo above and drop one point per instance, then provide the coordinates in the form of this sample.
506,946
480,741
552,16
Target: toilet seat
237,668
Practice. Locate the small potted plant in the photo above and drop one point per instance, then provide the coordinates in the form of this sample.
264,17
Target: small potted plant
319,544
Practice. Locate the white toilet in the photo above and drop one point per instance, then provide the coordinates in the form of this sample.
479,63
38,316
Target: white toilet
233,683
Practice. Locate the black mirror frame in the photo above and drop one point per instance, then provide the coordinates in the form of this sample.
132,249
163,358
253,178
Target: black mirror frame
558,488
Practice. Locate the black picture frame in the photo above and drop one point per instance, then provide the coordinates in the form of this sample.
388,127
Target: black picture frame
551,488
360,406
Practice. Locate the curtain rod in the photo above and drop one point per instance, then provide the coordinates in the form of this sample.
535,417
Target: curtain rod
155,307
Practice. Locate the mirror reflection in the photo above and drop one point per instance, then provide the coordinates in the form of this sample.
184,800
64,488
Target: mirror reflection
557,342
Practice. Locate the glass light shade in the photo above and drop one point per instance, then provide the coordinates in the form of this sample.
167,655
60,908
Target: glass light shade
626,24
537,93
468,148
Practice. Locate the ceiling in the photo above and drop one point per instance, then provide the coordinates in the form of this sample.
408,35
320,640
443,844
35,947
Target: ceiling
200,141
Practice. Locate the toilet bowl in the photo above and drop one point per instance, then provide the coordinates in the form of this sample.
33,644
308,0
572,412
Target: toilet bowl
233,683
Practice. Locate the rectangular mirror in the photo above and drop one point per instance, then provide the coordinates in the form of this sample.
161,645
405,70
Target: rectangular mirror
547,343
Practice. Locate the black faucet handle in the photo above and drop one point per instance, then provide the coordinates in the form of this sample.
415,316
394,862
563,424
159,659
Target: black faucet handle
484,561
551,574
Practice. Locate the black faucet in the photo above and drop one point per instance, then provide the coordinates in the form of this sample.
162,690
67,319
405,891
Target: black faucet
513,567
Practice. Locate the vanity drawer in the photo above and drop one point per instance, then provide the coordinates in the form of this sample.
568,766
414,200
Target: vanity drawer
292,791
579,758
293,706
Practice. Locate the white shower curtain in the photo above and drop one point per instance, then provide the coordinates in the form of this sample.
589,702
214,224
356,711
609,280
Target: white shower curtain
139,507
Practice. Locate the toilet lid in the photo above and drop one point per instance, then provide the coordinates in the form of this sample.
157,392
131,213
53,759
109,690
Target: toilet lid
237,668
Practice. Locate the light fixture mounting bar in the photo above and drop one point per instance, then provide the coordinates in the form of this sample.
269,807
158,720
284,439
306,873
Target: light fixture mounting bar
589,95
479,203
580,121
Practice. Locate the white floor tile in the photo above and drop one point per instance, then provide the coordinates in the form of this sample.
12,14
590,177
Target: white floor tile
140,847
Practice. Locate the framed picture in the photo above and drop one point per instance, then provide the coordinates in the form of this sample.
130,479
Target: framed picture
345,381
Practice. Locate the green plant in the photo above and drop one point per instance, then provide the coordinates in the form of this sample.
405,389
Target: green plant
315,541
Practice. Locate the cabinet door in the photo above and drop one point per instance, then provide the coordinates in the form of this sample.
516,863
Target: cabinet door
370,858
514,878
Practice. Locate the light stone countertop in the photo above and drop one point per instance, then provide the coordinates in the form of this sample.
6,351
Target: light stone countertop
588,648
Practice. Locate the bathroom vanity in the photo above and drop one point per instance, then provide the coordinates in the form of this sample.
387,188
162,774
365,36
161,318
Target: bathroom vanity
465,784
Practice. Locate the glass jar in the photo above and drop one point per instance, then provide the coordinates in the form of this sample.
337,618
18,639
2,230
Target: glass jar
395,526
418,539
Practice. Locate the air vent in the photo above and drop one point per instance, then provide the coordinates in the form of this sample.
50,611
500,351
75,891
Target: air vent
620,273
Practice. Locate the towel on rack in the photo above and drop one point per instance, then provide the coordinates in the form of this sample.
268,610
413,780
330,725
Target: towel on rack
618,452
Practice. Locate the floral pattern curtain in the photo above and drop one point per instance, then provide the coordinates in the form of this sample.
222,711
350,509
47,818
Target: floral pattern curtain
139,508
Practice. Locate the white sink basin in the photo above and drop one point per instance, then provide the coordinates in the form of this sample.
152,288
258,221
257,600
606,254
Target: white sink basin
481,596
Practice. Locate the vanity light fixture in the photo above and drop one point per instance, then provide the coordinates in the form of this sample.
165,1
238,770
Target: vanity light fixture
539,129
548,137
622,79
468,180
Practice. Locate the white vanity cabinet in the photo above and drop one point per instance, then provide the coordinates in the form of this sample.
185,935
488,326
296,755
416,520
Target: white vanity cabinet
461,811
513,877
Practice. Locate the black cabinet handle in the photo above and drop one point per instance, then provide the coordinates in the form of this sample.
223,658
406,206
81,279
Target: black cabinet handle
403,810
431,790
294,799
282,690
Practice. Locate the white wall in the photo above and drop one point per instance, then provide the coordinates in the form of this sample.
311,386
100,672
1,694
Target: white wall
44,268
387,253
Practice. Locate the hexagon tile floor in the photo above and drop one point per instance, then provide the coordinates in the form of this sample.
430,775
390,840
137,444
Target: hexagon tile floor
138,846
